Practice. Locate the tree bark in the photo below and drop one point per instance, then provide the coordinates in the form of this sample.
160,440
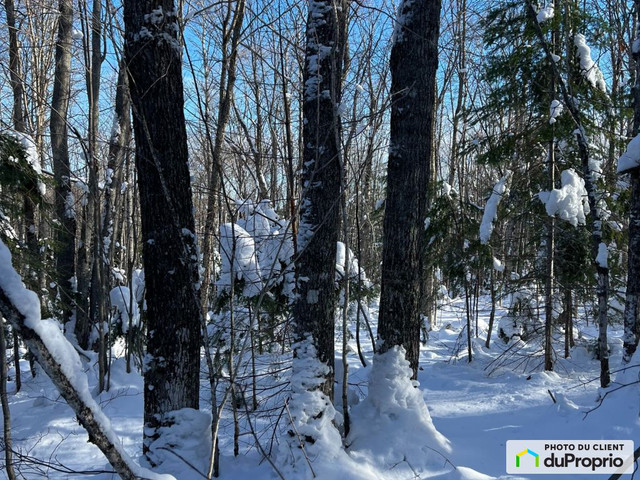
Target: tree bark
631,318
314,307
65,229
232,32
6,411
414,61
170,258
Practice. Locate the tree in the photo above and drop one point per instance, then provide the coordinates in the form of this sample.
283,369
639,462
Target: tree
598,247
631,318
170,258
414,61
65,229
314,307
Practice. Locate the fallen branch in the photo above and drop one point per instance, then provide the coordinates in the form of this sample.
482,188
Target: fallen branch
21,307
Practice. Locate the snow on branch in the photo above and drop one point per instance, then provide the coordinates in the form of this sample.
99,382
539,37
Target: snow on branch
546,13
570,202
630,159
21,308
589,68
500,190
555,110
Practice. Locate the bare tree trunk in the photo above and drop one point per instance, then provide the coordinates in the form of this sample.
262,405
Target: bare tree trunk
65,229
314,307
170,256
6,412
90,259
414,61
492,314
631,317
20,125
568,327
231,41
549,279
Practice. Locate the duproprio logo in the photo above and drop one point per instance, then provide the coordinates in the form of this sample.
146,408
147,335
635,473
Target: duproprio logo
530,452
542,457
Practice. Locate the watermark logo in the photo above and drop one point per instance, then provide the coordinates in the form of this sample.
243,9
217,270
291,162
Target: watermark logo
570,456
530,452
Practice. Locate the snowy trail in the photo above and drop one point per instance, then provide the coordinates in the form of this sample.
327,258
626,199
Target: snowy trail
479,413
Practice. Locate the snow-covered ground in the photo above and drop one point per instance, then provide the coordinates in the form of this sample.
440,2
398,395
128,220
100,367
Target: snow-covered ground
501,395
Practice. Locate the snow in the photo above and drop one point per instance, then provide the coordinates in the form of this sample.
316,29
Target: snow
239,259
630,159
31,152
189,434
475,408
589,68
602,259
554,111
354,267
50,333
395,408
312,433
545,13
490,214
570,203
452,424
498,266
126,311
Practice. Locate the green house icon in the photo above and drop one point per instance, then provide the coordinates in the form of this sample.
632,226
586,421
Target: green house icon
530,452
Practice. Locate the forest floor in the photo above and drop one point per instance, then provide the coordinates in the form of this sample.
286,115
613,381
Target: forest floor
501,395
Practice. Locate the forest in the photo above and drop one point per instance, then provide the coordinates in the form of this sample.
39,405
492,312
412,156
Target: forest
334,239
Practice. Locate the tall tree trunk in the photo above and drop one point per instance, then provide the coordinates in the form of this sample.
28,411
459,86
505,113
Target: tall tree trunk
170,257
65,229
231,41
29,206
90,261
414,61
6,411
120,138
314,307
631,318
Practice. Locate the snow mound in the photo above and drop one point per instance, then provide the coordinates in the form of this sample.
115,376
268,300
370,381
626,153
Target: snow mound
239,260
313,447
125,310
395,409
